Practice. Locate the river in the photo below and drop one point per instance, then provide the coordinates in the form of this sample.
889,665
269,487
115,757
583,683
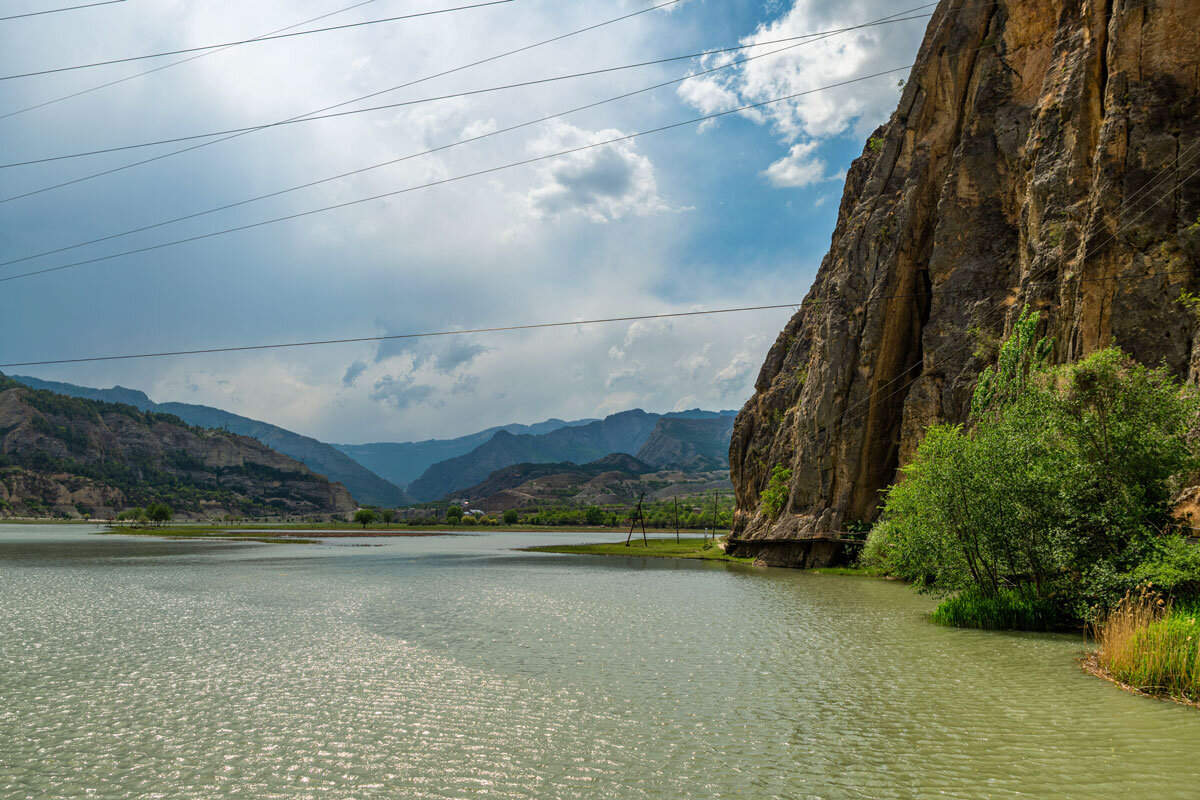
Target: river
456,667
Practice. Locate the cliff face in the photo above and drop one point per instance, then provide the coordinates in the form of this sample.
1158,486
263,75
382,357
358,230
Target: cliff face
1043,153
64,456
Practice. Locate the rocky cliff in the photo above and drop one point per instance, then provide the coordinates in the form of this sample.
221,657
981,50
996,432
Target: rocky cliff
1043,153
64,456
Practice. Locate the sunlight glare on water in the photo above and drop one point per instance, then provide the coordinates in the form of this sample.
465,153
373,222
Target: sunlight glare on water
455,667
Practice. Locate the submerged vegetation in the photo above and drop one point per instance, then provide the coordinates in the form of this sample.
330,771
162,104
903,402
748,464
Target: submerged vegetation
1054,501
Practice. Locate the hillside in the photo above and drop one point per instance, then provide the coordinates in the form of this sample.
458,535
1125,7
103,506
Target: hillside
1041,155
403,462
66,456
695,445
615,479
366,487
625,432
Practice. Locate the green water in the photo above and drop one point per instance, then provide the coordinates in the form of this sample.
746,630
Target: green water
455,667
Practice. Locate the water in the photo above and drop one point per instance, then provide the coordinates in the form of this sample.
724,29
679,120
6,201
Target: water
454,667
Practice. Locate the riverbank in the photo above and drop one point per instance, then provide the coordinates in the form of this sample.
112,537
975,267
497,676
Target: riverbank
693,548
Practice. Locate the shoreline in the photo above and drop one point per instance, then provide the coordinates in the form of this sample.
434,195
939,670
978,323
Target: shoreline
1090,663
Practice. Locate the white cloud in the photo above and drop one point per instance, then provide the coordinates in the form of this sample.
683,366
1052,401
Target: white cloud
603,183
797,169
799,68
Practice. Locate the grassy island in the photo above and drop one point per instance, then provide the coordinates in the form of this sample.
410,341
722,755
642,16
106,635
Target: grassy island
655,548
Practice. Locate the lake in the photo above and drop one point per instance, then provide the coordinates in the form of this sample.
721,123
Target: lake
455,667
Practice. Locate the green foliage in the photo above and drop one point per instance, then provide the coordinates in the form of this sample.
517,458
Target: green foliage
1191,302
1061,487
159,513
365,516
1019,608
875,143
773,498
387,515
454,514
593,515
510,516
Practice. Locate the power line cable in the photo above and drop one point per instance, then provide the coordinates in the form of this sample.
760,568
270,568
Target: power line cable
414,82
394,337
255,40
59,10
440,148
454,179
486,90
98,87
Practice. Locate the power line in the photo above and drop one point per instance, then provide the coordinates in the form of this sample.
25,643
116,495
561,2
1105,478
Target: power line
454,179
255,40
414,82
393,337
458,143
472,92
59,10
98,87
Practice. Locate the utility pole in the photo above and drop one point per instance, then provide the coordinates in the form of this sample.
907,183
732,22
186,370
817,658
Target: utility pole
637,517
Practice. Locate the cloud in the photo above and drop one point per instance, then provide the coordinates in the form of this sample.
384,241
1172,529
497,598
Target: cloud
736,376
402,391
352,373
797,169
603,184
781,70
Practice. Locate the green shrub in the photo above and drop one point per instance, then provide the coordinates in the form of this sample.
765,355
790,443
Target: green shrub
773,498
1060,485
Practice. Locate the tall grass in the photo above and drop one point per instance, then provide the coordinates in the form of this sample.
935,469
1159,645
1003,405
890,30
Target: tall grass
1148,644
1012,609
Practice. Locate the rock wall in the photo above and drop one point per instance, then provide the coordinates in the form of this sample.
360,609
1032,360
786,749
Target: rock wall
1043,153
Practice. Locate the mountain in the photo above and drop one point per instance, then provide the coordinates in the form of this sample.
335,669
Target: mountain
403,462
1042,155
625,432
367,487
67,456
617,478
694,445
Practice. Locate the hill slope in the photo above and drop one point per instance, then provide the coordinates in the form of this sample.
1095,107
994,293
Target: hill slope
625,432
403,462
67,456
366,487
1001,180
695,445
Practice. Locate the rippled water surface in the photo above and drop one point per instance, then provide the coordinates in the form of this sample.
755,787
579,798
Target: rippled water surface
455,667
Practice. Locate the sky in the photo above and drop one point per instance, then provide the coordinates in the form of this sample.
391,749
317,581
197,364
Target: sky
734,211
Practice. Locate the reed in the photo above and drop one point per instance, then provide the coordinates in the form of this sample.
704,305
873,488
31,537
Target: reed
1151,645
1011,609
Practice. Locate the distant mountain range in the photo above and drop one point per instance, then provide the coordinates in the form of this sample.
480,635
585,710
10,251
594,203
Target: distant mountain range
68,456
626,432
403,462
392,474
367,487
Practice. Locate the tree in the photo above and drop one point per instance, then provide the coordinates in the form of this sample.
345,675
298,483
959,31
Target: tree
593,515
454,514
388,515
159,513
364,517
510,516
1058,489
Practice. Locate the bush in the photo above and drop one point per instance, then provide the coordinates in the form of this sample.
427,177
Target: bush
510,516
773,498
1060,486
